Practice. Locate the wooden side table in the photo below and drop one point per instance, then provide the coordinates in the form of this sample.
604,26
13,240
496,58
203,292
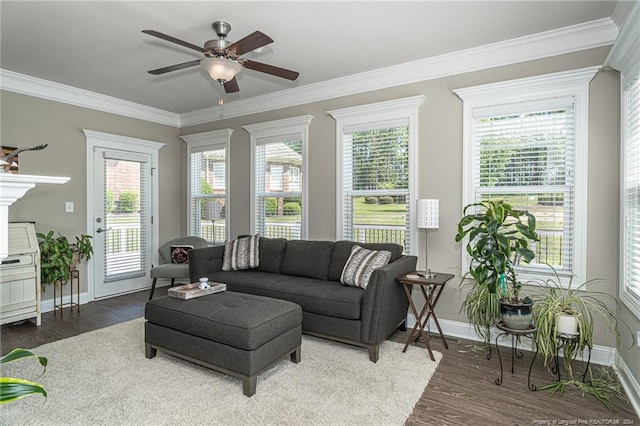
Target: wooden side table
431,288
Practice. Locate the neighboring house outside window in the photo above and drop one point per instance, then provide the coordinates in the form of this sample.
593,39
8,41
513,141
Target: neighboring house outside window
376,152
625,57
279,208
207,155
525,142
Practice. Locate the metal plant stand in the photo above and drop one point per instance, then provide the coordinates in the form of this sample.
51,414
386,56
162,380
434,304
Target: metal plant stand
562,341
515,352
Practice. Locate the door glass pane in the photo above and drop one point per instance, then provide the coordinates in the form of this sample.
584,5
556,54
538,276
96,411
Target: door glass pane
125,211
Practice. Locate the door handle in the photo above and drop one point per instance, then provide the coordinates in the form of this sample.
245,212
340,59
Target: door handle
99,230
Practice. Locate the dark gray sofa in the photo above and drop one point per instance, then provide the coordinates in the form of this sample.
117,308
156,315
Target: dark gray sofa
308,273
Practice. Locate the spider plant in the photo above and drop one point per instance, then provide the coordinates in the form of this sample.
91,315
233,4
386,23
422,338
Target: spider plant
587,305
12,388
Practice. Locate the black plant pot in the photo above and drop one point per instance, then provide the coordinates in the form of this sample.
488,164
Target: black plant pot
517,316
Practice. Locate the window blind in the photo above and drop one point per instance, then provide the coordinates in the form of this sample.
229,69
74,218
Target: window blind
208,194
278,187
631,187
126,215
527,158
376,182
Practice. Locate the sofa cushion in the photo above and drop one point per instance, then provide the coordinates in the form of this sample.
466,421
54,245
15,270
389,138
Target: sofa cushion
241,253
307,259
318,296
271,254
342,251
361,264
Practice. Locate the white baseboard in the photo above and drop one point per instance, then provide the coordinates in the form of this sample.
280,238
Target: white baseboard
629,384
47,305
602,355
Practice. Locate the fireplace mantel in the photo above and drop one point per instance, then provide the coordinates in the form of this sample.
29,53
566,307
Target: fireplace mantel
12,188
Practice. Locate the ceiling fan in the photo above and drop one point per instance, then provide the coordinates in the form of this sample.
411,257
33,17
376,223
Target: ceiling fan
223,58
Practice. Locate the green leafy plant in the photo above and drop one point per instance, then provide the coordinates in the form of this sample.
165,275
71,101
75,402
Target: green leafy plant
12,388
603,386
588,306
577,300
498,237
291,209
128,201
57,255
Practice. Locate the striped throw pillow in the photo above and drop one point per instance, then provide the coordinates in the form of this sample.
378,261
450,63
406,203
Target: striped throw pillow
361,264
241,253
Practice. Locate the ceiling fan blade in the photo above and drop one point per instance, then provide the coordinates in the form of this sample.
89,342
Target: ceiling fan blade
270,69
251,42
174,40
231,86
175,67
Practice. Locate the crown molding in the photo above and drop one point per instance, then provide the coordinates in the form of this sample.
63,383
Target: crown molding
626,50
39,88
601,32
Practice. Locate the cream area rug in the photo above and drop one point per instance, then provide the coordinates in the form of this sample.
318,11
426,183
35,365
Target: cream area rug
103,377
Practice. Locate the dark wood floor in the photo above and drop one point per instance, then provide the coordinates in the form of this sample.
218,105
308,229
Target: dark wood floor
461,392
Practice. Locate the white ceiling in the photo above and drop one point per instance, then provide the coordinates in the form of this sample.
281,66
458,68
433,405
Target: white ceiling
99,46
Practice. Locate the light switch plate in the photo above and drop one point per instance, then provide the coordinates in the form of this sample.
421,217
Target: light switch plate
68,207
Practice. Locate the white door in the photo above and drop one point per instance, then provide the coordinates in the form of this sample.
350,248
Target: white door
122,229
122,201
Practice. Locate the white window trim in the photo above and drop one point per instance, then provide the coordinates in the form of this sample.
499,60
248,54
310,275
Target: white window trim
215,139
273,129
372,113
624,57
569,83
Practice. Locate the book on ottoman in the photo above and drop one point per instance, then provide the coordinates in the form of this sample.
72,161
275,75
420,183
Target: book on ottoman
189,291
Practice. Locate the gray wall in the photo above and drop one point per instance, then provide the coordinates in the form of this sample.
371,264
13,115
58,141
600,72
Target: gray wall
27,121
440,160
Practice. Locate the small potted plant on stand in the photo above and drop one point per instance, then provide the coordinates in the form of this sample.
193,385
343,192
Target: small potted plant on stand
498,237
57,256
575,305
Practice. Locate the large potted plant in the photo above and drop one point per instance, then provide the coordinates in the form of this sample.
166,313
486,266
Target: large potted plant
498,238
59,256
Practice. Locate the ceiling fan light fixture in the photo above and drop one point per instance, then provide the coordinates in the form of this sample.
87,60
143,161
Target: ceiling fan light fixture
221,69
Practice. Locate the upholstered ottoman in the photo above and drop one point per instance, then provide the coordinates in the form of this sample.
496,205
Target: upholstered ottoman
234,333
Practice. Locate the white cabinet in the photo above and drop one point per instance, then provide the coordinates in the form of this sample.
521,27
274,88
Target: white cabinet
20,276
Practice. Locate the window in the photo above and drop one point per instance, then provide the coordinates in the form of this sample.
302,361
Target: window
279,208
376,150
624,56
207,186
276,171
631,193
525,142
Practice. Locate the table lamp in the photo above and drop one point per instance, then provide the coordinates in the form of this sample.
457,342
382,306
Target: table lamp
428,218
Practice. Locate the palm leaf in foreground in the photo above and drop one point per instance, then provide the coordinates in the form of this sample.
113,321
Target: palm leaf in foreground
12,388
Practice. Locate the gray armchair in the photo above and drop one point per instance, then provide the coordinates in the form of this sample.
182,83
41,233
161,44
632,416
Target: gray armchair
167,269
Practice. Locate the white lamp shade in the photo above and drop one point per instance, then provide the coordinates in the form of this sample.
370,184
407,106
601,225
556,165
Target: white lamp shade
221,69
428,213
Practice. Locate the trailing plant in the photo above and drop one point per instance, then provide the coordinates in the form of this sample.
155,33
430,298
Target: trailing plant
57,255
587,305
12,388
498,236
603,386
